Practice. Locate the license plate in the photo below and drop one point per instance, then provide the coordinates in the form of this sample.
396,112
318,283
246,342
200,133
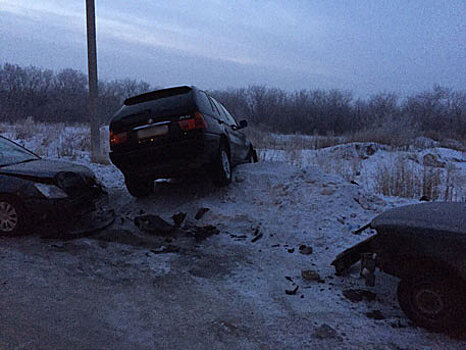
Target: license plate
153,131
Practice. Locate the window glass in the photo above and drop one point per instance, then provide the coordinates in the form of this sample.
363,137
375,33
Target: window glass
205,102
11,153
230,119
220,112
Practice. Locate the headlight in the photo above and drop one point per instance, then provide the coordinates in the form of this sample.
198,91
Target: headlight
51,191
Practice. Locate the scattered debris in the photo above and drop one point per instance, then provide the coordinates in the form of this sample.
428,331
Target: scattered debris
375,314
255,239
166,249
354,183
325,332
179,218
328,191
311,276
239,179
361,229
341,220
289,278
238,237
291,250
153,224
357,295
200,213
201,233
305,250
292,292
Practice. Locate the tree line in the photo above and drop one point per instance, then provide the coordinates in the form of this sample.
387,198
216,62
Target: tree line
62,97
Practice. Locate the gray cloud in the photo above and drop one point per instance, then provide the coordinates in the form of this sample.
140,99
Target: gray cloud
364,46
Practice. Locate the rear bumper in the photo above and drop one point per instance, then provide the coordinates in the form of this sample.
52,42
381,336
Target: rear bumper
168,160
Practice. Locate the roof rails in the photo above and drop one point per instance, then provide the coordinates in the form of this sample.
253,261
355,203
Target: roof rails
155,95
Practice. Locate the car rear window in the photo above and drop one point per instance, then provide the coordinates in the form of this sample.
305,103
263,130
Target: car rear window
164,94
161,103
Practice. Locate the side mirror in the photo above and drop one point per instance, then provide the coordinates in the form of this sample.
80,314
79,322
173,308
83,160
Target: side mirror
243,124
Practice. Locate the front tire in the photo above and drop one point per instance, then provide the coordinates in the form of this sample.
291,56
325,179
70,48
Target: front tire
12,216
139,187
433,301
221,170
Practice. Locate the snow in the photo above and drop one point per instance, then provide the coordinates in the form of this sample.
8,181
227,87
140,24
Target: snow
355,161
226,292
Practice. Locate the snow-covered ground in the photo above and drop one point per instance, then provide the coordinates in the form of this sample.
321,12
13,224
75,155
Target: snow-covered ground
373,165
226,292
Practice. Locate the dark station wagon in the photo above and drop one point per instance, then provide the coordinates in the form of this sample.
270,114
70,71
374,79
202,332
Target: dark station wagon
171,132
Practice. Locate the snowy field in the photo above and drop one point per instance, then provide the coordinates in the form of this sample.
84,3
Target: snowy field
118,290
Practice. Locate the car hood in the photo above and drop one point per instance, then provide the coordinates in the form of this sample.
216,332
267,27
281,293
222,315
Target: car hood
45,170
434,217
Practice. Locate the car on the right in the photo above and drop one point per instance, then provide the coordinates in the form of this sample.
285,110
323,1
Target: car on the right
425,246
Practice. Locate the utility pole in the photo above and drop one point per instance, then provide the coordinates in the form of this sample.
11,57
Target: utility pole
93,88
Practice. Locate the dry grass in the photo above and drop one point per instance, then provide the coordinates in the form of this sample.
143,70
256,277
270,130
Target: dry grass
403,179
49,140
266,140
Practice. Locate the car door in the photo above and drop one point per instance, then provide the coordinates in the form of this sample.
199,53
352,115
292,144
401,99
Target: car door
238,139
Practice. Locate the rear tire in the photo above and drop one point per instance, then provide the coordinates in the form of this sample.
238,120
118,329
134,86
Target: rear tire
434,302
12,216
139,187
221,170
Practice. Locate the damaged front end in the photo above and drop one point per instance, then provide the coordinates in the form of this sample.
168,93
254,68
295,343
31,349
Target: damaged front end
364,251
69,204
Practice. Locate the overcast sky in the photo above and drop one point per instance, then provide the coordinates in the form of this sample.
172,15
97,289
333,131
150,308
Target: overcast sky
366,46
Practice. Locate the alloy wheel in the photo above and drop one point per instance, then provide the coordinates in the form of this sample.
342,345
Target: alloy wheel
8,217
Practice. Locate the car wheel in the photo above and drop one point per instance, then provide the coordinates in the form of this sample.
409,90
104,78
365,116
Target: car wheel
12,218
436,303
139,187
221,171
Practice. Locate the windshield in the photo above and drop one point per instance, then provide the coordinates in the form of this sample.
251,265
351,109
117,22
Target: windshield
11,153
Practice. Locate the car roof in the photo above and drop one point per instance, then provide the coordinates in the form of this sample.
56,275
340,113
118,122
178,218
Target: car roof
429,217
156,94
149,100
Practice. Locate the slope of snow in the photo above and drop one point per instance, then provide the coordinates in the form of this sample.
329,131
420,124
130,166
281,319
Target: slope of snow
228,291
225,292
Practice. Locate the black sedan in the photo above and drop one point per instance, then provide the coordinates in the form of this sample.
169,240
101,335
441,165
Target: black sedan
35,190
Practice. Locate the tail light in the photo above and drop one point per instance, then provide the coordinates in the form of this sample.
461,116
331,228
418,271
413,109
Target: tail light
196,122
116,139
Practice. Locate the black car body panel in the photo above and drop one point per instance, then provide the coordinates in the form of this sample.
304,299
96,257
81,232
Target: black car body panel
424,245
176,151
19,180
415,234
428,231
